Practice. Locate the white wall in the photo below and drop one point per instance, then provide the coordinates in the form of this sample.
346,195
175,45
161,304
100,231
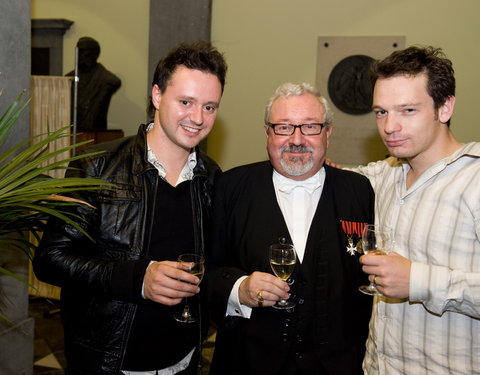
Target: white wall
121,28
268,42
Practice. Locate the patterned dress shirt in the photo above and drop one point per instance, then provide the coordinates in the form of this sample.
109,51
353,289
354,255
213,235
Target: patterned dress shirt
436,225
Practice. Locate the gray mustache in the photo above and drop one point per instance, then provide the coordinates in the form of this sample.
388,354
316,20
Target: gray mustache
294,148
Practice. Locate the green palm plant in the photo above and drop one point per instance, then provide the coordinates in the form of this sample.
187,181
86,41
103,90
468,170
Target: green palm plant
28,196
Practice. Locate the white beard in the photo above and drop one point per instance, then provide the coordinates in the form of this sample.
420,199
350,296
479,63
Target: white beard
296,167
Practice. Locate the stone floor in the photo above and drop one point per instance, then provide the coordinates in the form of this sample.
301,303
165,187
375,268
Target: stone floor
48,347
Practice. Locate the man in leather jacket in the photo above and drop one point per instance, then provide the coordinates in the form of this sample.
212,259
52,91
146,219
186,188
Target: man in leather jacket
120,291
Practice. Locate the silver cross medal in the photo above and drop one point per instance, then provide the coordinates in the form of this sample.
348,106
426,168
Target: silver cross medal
351,248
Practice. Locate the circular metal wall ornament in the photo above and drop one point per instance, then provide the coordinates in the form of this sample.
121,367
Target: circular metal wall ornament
349,85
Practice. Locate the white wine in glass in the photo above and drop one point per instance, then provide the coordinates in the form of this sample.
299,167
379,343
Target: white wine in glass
376,241
282,258
194,264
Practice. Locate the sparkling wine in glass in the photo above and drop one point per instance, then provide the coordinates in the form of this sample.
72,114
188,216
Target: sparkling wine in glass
194,264
378,241
282,260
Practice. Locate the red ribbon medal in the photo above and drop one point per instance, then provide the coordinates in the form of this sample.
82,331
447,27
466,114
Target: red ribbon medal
351,228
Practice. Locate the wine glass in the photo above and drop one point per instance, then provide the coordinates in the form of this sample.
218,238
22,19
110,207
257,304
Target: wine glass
282,258
194,264
378,241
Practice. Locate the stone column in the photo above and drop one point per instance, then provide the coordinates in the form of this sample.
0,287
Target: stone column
16,341
174,22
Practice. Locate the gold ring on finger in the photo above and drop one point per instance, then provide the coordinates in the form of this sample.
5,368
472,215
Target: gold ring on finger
260,298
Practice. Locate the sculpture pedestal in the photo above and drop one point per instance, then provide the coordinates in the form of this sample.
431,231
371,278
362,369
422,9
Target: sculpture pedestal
98,136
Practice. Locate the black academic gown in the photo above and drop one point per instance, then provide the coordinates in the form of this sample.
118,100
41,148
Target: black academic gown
326,331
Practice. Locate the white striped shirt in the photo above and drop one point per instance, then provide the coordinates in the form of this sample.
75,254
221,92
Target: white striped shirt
437,226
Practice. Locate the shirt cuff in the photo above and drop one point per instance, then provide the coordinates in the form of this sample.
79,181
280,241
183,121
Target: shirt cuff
143,284
234,307
428,283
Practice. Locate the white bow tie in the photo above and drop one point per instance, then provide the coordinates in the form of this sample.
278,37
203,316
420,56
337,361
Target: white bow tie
311,184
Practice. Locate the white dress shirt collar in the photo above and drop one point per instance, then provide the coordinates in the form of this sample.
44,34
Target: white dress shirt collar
298,201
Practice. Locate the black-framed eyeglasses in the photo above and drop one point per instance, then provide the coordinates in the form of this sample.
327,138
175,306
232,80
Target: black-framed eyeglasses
313,128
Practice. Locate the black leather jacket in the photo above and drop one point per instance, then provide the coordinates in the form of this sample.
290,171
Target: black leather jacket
99,279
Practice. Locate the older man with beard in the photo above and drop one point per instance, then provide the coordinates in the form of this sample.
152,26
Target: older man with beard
320,210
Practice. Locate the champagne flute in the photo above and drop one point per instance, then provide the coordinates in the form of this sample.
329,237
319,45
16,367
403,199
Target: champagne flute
282,258
378,241
194,264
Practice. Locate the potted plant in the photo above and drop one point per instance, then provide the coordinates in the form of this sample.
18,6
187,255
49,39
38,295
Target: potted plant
28,196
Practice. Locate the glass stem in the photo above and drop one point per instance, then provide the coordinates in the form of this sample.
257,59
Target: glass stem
186,309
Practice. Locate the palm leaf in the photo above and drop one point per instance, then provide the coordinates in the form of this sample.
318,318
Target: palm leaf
28,196
11,115
27,165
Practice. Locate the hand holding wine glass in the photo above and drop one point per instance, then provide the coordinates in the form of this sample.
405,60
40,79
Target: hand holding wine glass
282,258
378,241
195,265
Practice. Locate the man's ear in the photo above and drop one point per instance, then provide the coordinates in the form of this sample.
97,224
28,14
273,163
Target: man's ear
445,112
328,129
266,128
156,96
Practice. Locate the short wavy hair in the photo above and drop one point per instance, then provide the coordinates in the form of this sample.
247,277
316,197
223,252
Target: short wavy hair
297,89
416,60
200,55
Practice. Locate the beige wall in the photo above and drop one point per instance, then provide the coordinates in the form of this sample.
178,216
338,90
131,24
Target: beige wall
121,28
268,42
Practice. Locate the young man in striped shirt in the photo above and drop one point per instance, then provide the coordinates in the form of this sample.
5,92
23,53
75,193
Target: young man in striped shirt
428,321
